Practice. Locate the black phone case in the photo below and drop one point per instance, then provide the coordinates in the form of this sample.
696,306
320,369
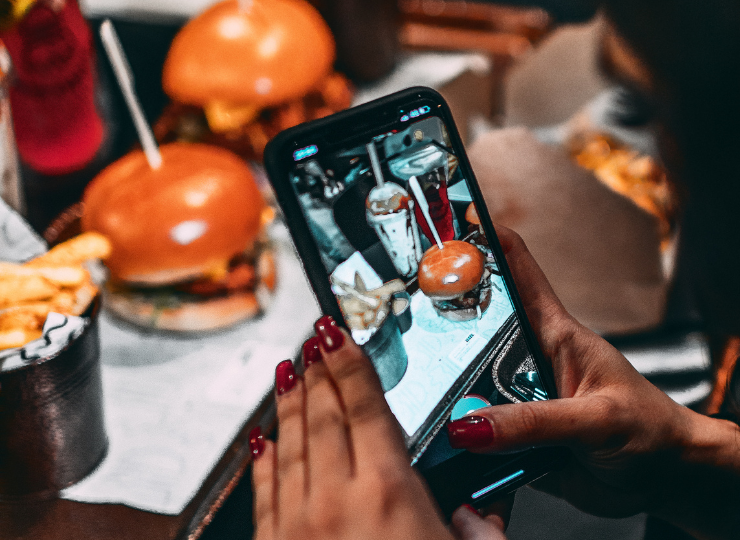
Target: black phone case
454,480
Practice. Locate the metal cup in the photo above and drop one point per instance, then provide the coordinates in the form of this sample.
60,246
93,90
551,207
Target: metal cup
401,304
52,431
387,353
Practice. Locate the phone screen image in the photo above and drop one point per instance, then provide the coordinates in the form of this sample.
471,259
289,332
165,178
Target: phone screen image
412,271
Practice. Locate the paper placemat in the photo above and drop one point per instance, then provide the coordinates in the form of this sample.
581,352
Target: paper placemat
173,405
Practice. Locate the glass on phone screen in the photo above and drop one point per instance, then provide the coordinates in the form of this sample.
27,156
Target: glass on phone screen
411,268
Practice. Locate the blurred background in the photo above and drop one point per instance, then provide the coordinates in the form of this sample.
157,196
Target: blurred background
564,155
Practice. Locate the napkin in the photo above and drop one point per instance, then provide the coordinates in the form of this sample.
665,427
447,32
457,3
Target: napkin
600,251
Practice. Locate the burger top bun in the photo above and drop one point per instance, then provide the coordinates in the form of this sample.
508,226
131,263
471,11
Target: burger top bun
181,221
270,52
471,215
447,273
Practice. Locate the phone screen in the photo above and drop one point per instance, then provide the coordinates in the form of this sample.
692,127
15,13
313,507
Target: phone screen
412,271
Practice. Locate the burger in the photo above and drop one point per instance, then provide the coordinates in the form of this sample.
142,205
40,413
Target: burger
189,251
456,279
241,72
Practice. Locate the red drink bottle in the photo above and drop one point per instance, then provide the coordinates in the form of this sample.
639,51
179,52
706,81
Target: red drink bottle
434,186
57,127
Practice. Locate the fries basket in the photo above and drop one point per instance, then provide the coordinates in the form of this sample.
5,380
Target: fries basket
52,431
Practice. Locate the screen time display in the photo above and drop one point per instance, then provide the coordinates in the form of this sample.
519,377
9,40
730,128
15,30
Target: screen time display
412,270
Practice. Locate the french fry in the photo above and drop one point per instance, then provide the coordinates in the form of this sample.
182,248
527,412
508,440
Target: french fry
90,245
64,276
17,337
8,269
83,297
61,276
19,325
64,302
55,281
16,290
27,316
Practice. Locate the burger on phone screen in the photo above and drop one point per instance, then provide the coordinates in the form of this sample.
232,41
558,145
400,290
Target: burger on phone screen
456,279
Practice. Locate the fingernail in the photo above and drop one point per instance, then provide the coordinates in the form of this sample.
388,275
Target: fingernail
284,377
470,432
311,351
256,442
471,508
329,333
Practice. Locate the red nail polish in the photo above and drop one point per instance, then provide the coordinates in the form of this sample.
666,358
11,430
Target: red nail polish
284,377
471,508
311,351
256,442
470,432
329,333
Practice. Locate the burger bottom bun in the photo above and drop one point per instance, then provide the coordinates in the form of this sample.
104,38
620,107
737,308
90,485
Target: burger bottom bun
186,314
468,314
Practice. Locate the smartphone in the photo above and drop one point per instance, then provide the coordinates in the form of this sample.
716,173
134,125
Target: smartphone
398,245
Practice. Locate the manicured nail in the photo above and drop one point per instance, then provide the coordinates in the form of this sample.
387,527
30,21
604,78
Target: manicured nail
470,432
256,442
311,351
329,333
471,508
284,377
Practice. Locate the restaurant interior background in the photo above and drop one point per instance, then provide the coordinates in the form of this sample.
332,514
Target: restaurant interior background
563,155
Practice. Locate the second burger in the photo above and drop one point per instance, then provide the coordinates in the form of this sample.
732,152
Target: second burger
189,249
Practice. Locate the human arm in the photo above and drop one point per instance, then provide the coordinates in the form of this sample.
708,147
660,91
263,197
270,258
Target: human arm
634,449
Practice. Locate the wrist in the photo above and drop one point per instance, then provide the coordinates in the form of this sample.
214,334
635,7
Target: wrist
701,491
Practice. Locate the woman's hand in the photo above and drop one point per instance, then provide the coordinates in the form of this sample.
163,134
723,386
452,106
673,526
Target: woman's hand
635,449
340,468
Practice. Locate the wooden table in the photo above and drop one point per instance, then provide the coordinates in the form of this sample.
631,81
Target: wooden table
217,502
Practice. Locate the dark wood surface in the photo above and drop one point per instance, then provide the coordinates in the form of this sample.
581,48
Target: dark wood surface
60,519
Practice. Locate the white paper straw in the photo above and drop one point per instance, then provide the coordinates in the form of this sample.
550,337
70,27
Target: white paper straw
126,81
424,207
375,162
244,5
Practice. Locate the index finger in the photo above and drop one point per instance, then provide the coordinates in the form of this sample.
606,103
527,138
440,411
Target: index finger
374,433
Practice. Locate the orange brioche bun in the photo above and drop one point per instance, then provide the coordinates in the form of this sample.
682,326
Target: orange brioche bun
450,272
182,221
270,53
